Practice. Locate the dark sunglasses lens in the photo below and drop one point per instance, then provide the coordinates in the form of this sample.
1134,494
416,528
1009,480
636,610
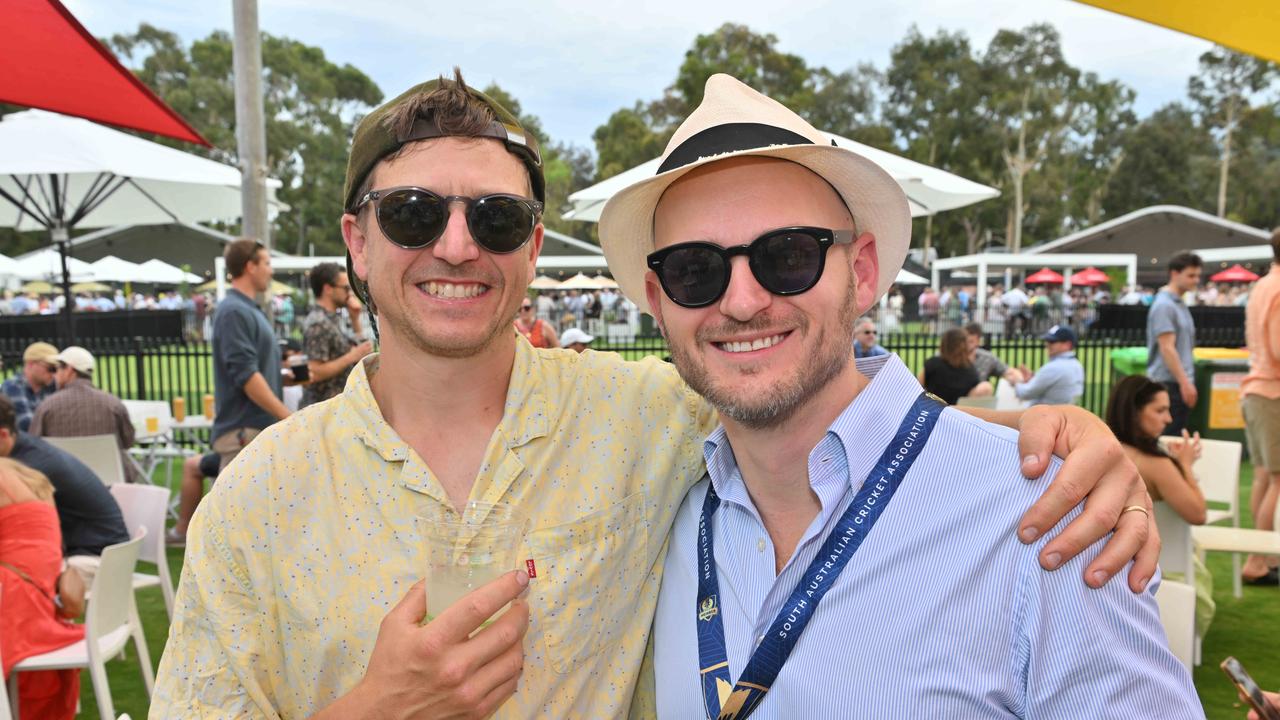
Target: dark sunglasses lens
412,218
500,224
787,262
694,276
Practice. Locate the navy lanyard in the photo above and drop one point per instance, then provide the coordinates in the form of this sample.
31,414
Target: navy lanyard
728,701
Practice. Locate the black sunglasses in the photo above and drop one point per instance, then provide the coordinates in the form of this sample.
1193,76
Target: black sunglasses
414,217
786,261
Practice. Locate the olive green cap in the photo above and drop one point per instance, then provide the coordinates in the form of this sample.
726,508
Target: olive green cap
375,139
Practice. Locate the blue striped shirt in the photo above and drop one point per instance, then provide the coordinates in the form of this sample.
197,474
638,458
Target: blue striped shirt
941,613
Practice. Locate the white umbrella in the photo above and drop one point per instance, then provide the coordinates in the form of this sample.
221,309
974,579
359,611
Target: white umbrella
7,265
46,264
161,272
113,269
929,190
542,282
605,282
59,173
579,282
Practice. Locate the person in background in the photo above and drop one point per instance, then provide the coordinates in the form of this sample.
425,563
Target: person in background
984,361
927,306
79,409
576,340
87,513
30,568
34,384
1060,380
1171,338
864,339
1137,412
246,358
330,351
537,331
194,471
1260,403
950,374
291,391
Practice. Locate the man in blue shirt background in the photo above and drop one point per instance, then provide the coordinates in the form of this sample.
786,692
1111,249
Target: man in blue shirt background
1060,380
33,384
1171,338
864,340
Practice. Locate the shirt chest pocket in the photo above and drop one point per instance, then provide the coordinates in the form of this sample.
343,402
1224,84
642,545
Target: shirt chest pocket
589,574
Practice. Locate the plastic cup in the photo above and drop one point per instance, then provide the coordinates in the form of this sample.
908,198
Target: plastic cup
465,551
153,424
298,366
208,407
179,409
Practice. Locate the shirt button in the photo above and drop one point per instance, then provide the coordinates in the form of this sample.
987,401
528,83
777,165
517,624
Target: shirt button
760,545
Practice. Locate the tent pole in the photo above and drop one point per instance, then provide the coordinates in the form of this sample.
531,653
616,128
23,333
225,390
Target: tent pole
251,134
61,238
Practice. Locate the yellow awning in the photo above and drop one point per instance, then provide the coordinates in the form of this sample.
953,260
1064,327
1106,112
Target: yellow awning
1251,26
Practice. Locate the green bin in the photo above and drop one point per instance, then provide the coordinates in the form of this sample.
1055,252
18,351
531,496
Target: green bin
1217,411
1129,361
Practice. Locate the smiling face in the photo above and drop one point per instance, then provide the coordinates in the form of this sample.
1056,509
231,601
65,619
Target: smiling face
758,357
451,298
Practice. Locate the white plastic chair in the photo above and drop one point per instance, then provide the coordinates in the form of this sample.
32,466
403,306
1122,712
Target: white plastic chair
1176,553
1218,472
1177,603
110,620
146,506
99,452
140,410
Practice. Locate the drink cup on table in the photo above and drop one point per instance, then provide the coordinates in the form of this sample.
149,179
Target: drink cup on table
208,407
465,551
179,409
153,424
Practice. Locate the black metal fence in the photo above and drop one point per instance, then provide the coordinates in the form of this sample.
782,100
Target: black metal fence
150,369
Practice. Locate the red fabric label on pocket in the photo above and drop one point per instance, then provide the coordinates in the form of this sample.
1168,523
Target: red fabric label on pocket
533,570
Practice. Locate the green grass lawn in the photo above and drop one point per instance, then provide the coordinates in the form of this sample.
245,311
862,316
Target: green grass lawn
1247,628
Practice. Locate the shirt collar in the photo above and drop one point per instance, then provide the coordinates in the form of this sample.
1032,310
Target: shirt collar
524,417
1070,354
859,434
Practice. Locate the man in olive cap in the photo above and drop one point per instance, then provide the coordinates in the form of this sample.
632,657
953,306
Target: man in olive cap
35,383
298,596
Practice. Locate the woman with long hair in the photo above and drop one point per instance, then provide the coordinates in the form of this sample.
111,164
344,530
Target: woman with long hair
1137,412
950,374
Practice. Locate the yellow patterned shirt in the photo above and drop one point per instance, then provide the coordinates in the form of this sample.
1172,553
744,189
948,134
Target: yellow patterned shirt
308,540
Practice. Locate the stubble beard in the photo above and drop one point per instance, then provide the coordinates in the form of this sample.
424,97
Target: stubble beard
770,407
415,332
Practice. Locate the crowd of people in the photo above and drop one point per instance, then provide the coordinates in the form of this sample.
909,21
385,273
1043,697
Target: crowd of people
762,456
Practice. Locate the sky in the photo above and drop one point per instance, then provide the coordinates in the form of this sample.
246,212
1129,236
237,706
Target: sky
574,63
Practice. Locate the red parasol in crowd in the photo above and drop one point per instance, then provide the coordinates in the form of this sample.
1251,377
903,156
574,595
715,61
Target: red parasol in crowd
1235,273
1044,276
51,62
1090,276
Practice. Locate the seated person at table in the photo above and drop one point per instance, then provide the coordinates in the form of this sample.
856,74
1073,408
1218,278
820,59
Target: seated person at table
89,516
1060,381
79,409
1137,412
950,374
984,361
30,566
29,388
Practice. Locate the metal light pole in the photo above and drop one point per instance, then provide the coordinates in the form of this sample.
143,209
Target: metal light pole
251,133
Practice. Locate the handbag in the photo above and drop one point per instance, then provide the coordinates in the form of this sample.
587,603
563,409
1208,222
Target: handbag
68,602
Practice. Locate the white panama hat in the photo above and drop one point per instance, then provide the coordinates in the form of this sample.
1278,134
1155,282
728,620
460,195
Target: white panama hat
734,120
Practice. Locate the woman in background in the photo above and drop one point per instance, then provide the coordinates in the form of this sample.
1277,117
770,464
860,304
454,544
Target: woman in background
950,374
1137,412
30,564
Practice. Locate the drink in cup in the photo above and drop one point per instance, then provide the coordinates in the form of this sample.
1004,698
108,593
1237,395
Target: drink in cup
179,409
208,407
153,424
298,365
465,551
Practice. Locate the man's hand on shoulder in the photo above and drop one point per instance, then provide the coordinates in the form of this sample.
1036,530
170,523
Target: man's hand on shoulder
444,669
1095,469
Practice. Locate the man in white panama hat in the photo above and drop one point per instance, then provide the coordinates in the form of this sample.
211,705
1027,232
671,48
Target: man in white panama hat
756,246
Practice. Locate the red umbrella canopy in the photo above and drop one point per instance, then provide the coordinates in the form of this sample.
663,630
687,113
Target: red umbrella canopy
51,62
1090,276
1235,273
1044,275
